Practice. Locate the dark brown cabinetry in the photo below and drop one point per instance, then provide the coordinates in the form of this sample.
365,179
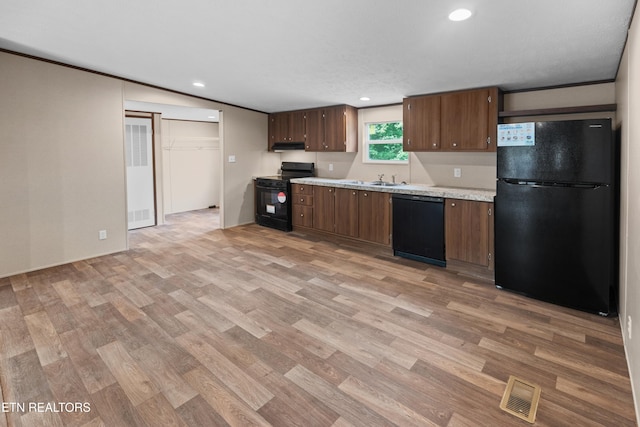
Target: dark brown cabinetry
321,129
302,207
455,121
315,130
347,212
421,123
286,127
340,129
469,232
359,214
324,206
374,220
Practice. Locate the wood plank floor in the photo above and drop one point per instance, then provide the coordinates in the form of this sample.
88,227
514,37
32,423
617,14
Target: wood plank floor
196,326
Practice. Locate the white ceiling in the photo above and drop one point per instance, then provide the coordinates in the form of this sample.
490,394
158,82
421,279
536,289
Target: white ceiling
275,55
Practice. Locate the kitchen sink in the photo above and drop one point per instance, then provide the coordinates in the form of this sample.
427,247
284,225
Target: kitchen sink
385,184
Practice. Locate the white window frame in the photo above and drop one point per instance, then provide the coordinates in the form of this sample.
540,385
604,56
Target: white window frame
366,142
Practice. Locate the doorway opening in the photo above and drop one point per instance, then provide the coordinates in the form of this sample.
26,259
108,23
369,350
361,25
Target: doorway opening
186,161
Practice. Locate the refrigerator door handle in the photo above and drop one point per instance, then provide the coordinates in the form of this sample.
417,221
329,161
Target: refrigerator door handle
543,184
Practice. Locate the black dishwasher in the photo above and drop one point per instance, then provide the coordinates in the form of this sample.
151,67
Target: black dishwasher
418,228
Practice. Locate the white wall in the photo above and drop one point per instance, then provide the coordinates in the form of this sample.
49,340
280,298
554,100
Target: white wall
62,174
192,169
628,99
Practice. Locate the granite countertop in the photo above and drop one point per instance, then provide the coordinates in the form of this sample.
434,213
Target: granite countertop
475,194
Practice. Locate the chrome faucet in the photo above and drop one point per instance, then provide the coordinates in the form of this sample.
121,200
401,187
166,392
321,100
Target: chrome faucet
380,177
393,179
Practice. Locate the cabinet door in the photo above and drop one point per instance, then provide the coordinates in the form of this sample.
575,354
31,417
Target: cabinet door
467,231
465,120
302,216
324,208
314,130
347,212
297,126
421,118
374,222
334,129
280,127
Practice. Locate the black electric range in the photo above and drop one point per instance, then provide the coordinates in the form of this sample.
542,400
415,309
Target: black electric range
273,195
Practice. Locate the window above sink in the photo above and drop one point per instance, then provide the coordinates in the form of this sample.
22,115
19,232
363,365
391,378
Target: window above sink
383,143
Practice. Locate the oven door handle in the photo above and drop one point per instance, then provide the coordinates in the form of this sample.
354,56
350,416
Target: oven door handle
266,187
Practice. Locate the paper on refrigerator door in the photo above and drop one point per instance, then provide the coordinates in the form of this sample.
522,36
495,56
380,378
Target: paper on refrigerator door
517,135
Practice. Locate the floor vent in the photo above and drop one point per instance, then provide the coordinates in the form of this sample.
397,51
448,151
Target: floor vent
521,399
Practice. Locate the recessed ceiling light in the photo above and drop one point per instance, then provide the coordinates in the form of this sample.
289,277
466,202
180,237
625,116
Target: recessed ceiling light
198,84
460,15
365,98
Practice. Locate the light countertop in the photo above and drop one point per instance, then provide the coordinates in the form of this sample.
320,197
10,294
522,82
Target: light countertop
475,194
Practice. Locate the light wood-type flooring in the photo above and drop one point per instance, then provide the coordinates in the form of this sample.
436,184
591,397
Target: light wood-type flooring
196,326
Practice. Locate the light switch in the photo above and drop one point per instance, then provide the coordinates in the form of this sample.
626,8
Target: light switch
232,158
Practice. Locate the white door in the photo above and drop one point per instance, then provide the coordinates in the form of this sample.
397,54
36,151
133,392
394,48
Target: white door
140,183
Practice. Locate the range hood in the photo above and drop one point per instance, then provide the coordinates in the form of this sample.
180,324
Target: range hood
285,146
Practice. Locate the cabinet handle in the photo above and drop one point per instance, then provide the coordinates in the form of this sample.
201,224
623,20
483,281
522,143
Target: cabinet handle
489,211
453,204
301,215
455,144
302,199
435,144
366,195
354,193
330,190
301,188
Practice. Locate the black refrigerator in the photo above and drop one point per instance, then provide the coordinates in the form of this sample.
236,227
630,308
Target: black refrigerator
556,215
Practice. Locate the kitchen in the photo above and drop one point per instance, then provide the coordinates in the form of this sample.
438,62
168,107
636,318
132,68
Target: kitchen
55,206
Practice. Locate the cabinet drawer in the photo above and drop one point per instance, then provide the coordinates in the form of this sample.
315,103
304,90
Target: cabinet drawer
302,216
302,189
303,200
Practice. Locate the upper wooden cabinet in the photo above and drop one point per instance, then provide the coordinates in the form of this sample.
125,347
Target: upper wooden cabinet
315,130
287,127
421,123
456,121
340,129
321,129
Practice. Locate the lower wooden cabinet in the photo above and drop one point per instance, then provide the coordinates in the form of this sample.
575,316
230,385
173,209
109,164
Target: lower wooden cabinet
469,231
302,207
347,212
366,215
374,223
324,206
359,214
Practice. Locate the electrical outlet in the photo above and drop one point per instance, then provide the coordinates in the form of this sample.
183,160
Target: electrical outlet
330,167
102,234
457,172
629,327
232,158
